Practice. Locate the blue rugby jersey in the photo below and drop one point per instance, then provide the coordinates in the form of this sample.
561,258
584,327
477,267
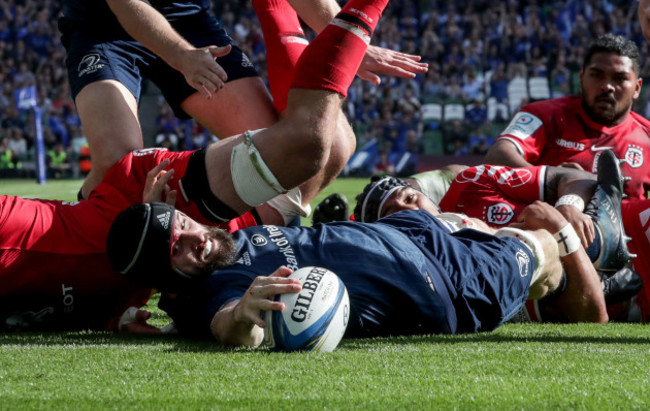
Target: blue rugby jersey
407,273
393,287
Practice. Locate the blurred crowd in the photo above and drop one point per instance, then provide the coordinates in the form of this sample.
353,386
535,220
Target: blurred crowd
478,50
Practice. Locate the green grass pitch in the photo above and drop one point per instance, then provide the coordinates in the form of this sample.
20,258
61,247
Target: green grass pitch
525,366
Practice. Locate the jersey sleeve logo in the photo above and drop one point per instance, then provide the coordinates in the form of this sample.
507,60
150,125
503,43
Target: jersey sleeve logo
523,125
601,148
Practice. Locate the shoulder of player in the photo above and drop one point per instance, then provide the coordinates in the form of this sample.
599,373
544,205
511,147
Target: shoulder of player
640,120
547,107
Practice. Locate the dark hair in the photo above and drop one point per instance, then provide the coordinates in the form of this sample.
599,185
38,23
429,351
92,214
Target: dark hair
609,43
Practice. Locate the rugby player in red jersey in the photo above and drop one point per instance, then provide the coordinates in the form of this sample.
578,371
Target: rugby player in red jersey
575,131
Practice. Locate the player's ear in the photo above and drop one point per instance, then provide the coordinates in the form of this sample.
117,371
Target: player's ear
637,92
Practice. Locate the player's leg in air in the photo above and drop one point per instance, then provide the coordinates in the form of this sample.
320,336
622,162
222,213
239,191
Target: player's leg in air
285,43
248,170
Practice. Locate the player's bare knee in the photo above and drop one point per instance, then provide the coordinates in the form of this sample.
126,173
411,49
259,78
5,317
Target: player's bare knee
105,157
309,145
313,125
547,282
345,140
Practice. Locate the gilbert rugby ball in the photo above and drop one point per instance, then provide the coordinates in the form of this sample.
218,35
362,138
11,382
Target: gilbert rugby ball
313,319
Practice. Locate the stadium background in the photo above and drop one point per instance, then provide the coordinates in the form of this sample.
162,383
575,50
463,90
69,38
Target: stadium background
486,59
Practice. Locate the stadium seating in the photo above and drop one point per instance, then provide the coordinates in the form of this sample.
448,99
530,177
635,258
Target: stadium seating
432,142
539,88
432,112
497,111
453,110
517,93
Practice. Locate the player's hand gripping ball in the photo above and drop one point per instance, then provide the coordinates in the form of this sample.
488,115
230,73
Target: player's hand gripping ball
314,319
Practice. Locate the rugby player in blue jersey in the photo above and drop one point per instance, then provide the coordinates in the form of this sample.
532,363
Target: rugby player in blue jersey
408,273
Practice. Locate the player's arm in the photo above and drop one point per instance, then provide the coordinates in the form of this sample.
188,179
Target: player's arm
239,322
377,61
504,152
582,300
570,189
149,27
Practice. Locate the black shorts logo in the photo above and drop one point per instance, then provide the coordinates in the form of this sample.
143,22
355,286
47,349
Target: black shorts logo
523,261
90,63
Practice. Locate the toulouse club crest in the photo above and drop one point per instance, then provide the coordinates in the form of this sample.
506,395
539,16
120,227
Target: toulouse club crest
499,213
634,156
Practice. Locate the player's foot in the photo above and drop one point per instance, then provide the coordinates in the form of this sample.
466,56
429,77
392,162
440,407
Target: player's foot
621,286
333,208
605,210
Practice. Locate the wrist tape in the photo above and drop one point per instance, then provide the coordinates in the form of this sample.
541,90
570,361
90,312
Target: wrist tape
567,239
572,200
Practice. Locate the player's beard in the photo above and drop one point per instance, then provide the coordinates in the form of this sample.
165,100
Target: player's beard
225,256
609,117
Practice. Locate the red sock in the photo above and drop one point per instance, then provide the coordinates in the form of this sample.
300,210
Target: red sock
285,42
332,59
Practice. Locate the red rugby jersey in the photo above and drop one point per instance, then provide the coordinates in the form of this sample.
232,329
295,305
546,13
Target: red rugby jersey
494,194
554,131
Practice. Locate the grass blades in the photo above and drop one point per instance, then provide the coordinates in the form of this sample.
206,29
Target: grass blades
519,366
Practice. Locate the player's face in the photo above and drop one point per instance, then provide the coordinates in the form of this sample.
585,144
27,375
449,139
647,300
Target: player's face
198,249
408,198
609,86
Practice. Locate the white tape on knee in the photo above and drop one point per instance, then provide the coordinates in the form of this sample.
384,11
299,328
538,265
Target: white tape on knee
529,241
289,205
253,180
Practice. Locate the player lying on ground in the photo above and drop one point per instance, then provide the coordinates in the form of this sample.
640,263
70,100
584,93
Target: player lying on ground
497,195
214,185
409,273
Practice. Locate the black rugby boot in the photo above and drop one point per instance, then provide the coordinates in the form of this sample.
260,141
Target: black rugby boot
621,286
605,210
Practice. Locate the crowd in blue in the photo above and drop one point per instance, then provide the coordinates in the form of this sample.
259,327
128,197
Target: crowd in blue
487,58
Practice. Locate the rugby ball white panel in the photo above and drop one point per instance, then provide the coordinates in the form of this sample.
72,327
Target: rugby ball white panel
314,319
